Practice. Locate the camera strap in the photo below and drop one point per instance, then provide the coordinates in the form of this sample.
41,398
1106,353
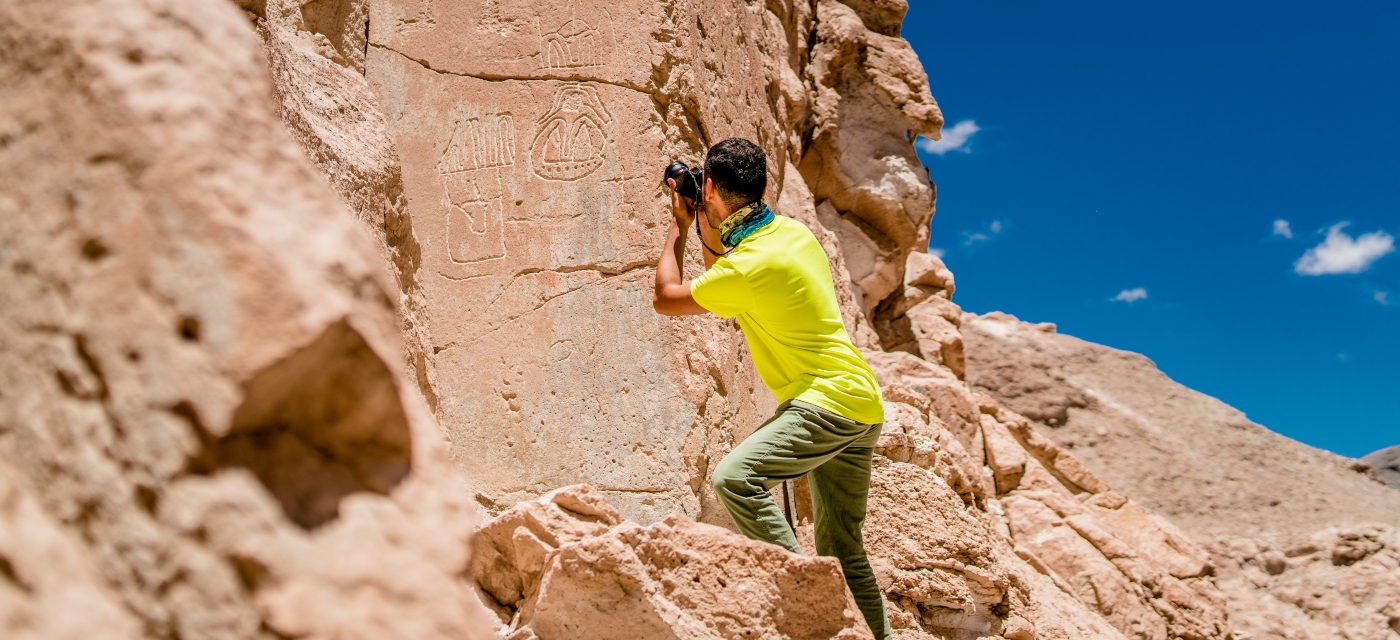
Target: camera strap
695,213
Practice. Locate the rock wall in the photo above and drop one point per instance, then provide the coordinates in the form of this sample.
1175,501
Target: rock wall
203,429
532,137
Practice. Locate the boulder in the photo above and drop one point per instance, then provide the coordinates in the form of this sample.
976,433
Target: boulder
567,566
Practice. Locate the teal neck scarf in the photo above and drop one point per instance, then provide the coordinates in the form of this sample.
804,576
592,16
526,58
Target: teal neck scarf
742,223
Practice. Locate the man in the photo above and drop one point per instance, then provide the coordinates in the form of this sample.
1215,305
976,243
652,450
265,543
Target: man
770,273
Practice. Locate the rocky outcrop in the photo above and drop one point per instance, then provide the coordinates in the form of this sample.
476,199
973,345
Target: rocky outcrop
1302,539
1386,464
1040,512
1185,455
203,429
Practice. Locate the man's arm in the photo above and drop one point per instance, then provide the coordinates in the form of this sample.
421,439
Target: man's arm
672,294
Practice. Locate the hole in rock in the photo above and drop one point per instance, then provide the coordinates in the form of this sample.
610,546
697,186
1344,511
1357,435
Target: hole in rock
8,574
147,498
93,249
189,328
316,426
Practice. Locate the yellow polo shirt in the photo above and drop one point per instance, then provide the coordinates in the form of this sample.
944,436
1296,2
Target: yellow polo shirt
777,282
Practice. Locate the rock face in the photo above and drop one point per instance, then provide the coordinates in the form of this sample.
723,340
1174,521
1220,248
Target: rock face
203,429
1303,540
533,136
1386,463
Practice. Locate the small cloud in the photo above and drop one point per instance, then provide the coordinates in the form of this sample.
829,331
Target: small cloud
937,253
1281,228
1340,253
954,139
1382,297
973,237
1131,295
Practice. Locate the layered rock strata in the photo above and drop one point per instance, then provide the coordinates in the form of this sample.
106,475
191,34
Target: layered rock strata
203,429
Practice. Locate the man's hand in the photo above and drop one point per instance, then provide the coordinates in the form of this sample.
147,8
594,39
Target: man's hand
672,295
679,209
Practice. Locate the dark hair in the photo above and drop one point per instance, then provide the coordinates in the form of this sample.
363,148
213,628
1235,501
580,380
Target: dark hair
739,170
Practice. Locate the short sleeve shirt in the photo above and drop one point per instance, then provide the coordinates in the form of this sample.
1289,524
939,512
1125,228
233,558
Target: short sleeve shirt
777,283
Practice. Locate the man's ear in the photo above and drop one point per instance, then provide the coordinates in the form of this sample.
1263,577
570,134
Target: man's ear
710,192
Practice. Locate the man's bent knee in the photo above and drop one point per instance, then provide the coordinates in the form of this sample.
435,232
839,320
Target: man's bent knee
731,478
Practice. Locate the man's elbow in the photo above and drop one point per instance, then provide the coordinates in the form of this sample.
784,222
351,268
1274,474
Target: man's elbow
662,305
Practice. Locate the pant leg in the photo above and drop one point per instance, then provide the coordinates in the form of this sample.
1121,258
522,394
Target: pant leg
797,439
840,488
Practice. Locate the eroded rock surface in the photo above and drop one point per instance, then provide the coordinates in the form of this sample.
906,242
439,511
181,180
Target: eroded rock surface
199,355
1303,539
532,136
1185,455
1016,528
568,566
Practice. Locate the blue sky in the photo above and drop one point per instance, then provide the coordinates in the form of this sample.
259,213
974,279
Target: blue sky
1123,171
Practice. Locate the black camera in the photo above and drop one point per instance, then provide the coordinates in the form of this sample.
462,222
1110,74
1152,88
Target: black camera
688,180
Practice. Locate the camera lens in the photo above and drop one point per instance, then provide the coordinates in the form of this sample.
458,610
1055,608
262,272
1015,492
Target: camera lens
687,184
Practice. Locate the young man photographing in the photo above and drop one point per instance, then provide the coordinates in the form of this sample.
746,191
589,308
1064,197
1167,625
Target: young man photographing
770,273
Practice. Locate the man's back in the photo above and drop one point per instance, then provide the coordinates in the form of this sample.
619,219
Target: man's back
778,284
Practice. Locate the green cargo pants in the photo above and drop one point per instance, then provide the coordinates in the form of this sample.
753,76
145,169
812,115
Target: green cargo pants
801,439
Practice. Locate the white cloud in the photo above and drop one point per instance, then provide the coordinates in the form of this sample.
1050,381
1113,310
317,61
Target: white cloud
954,139
1340,253
1131,295
937,253
1382,297
1281,228
974,238
996,226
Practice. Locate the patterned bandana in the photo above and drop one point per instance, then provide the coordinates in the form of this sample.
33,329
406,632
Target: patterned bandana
743,222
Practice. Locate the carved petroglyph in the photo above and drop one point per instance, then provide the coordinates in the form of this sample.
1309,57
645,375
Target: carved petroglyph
469,169
574,45
571,137
479,143
474,231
